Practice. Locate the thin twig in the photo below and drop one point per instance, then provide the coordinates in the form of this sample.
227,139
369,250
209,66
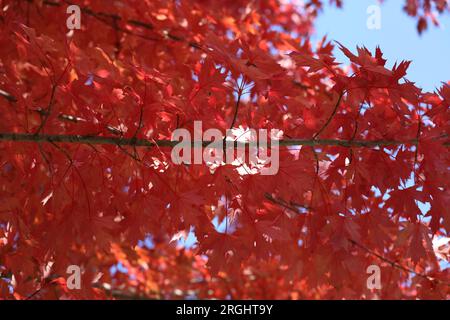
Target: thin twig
284,204
330,117
397,265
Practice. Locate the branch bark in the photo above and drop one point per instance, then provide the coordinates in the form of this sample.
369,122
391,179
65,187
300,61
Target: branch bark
397,265
102,140
394,264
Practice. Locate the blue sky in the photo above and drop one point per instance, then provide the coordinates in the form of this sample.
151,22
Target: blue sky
397,38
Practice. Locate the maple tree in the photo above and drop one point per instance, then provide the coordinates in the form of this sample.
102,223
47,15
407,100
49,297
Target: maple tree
86,176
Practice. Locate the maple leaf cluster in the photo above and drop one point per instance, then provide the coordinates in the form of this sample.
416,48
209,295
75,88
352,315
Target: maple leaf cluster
426,11
86,178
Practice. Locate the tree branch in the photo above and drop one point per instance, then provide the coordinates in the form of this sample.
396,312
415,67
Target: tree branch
7,96
105,16
336,106
394,264
397,265
102,140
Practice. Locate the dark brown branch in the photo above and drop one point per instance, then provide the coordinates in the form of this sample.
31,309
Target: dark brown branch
394,264
236,110
112,20
330,117
48,110
101,140
287,205
7,96
397,265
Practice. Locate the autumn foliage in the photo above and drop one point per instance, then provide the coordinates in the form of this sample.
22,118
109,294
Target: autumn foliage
85,178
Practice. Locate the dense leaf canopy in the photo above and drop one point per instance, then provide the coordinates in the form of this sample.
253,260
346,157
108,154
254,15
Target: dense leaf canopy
86,179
